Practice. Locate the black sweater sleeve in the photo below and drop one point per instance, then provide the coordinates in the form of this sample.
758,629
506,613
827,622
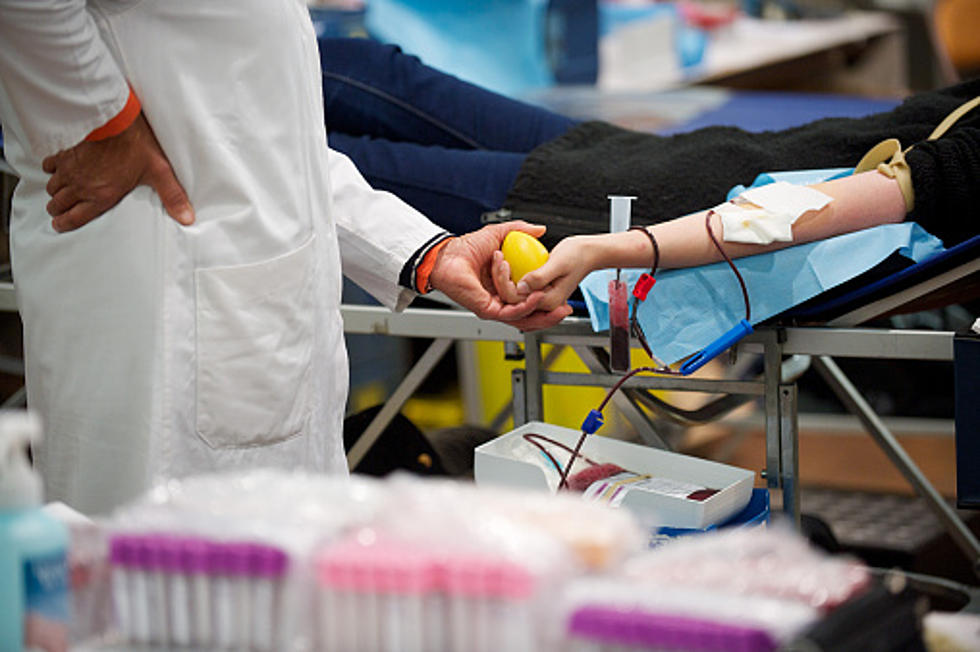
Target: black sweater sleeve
572,175
946,179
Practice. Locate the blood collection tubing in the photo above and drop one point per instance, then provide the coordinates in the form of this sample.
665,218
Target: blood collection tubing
594,420
645,283
742,328
532,438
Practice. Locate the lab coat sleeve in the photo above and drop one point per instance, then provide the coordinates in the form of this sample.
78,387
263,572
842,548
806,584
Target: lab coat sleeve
378,233
58,81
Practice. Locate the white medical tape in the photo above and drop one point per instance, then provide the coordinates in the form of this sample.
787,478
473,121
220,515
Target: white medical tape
776,206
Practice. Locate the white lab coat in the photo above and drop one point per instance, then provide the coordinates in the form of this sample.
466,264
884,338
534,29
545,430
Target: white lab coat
155,350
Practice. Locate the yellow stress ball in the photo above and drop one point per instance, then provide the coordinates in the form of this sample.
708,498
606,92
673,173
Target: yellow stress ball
524,253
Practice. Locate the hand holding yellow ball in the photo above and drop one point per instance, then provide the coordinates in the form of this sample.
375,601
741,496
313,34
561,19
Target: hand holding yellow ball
524,253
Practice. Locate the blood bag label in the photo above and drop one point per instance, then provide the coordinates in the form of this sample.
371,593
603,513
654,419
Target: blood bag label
612,490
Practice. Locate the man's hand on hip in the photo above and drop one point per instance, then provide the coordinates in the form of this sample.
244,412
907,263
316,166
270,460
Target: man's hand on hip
93,176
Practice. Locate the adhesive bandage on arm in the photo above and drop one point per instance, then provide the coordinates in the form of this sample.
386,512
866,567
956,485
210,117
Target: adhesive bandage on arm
766,214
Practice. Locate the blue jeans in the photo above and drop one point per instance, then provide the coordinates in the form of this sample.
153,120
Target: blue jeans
449,148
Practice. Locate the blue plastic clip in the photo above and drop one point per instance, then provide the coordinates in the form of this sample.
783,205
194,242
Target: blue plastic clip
592,422
713,350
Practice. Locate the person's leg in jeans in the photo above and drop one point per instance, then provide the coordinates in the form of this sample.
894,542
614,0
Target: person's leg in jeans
450,149
373,89
452,187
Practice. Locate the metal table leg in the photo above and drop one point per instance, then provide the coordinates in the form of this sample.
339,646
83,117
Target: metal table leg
851,398
773,359
532,365
518,379
789,453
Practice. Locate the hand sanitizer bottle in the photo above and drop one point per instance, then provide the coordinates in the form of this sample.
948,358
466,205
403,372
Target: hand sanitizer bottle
33,548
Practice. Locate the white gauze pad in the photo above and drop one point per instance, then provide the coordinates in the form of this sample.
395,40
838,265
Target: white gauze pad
780,204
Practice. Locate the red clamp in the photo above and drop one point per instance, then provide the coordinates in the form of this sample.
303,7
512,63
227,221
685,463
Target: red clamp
643,286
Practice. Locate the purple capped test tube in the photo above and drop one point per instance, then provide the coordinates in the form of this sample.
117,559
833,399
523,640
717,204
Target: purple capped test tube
169,564
268,561
219,567
121,554
195,562
237,568
151,553
267,569
138,581
652,630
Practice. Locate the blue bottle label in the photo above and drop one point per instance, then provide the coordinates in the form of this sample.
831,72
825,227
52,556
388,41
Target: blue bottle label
46,603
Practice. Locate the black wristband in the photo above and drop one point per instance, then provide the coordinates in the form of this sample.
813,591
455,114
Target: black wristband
406,278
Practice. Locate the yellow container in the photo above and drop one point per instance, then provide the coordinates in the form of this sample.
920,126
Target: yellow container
564,405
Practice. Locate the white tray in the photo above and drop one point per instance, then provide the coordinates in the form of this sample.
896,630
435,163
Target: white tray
498,462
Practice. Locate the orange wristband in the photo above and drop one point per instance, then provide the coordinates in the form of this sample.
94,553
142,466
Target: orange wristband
424,270
121,122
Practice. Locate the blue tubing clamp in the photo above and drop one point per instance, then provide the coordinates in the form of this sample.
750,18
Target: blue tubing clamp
592,422
713,350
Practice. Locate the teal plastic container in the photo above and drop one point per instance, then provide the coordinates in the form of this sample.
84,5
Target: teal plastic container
34,590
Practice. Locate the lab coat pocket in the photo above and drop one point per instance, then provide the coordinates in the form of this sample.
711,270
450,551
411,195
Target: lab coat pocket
254,350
